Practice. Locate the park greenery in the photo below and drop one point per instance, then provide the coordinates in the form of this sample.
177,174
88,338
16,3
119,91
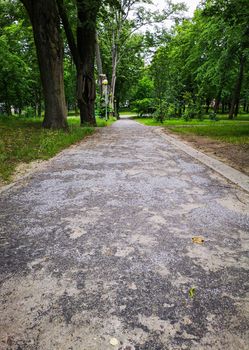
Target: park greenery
198,66
55,54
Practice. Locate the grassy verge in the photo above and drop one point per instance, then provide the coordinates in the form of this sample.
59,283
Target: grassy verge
128,113
102,123
243,119
231,131
236,134
23,140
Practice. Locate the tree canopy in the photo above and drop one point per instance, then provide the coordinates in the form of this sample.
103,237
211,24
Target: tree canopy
198,64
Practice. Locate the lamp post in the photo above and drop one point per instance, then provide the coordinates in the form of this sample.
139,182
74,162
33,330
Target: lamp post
105,94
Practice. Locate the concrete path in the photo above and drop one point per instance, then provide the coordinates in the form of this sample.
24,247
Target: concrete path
97,251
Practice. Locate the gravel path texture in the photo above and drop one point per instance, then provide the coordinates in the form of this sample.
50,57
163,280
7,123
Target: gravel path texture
97,250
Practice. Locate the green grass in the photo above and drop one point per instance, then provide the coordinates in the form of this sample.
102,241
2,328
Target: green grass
102,123
231,131
24,140
237,134
243,119
129,113
75,120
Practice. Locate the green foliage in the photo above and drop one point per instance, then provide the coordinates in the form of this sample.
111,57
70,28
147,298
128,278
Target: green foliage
190,107
161,110
199,61
29,112
213,116
144,106
144,87
102,123
122,45
19,75
70,82
194,64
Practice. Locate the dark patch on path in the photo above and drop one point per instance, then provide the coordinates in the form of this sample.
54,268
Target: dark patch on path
98,245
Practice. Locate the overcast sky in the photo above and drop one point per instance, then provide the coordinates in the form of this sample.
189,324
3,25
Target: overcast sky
190,3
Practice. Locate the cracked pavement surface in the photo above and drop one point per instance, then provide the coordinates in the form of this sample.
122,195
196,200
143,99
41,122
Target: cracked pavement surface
98,245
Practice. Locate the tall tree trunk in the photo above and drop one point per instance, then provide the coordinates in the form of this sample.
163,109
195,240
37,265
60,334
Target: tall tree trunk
236,94
236,111
83,54
217,102
180,112
99,65
85,96
39,103
86,43
117,108
244,106
114,75
7,101
45,21
223,107
207,105
8,108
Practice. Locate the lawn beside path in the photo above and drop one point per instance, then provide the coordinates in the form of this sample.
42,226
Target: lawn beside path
23,140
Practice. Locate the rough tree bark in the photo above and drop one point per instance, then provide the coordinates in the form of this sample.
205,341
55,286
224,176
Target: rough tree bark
83,53
217,102
207,105
99,64
45,21
114,75
86,43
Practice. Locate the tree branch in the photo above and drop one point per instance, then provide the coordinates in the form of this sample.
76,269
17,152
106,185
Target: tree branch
69,32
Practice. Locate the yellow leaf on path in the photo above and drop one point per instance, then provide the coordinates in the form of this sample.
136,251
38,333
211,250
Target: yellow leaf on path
198,240
114,342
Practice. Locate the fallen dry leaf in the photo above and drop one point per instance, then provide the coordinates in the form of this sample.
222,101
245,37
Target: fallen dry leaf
114,342
198,240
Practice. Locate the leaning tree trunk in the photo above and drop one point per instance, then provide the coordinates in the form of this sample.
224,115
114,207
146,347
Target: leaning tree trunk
86,43
236,94
45,21
217,102
207,105
99,65
83,54
114,77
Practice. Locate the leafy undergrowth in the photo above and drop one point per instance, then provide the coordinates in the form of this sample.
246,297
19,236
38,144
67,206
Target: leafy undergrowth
24,140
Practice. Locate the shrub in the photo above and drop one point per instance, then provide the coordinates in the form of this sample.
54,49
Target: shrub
29,112
144,106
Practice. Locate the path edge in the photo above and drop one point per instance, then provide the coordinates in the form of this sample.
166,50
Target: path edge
223,169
